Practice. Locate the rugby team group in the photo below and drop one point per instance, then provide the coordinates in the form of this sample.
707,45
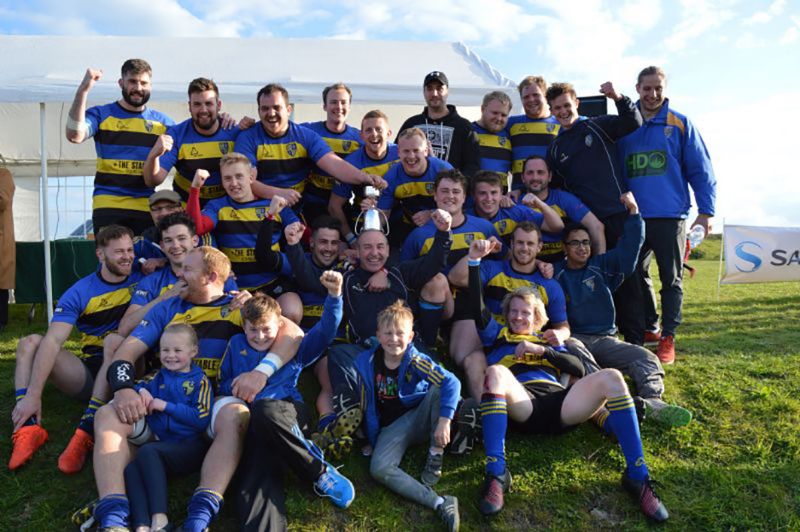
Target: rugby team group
513,250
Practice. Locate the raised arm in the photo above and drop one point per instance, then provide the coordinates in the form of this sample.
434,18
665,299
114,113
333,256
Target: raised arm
77,130
152,172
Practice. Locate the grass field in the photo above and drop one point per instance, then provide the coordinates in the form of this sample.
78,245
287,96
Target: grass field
736,466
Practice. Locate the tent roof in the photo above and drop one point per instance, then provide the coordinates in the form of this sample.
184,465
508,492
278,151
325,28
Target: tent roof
48,69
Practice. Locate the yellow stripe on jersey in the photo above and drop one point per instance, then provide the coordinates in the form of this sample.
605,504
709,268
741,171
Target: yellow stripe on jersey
106,201
494,141
312,311
534,128
529,359
244,214
414,188
341,146
460,241
509,284
133,125
240,255
206,191
379,170
120,166
673,120
204,150
109,300
281,152
427,368
204,398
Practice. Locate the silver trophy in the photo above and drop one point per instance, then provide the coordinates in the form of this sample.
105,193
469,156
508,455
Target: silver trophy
371,218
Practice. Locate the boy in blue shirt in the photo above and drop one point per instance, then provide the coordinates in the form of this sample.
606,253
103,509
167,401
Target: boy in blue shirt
408,398
178,402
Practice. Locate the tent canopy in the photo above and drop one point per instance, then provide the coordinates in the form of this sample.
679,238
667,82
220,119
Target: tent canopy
382,74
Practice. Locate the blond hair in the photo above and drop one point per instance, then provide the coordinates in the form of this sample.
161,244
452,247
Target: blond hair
182,328
532,80
233,158
531,297
412,132
395,314
214,261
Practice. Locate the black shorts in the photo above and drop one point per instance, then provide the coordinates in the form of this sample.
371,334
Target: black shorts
277,288
546,415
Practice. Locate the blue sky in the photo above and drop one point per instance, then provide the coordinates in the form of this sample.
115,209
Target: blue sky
732,65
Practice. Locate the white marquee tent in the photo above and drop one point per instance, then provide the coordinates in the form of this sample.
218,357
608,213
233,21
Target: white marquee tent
39,75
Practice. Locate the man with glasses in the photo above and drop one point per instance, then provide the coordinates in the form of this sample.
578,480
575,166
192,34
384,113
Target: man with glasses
589,282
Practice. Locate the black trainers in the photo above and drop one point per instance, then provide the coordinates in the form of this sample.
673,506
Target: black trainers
433,469
649,502
466,427
448,512
494,487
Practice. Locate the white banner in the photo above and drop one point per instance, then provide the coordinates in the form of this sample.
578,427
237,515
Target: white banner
761,254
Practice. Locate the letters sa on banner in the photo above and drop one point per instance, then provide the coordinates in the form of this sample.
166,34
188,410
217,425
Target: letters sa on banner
761,254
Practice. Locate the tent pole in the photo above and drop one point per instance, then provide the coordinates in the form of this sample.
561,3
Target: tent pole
44,215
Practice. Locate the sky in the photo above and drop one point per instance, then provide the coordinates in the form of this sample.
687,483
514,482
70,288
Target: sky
732,65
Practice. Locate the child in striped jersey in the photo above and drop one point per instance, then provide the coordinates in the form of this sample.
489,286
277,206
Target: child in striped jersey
169,439
409,399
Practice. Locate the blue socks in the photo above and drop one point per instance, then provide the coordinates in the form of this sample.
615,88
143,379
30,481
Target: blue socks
494,418
112,510
622,422
86,423
19,394
203,507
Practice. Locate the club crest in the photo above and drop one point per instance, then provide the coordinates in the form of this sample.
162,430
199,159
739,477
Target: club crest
148,125
188,387
224,147
291,149
588,141
550,128
346,145
668,131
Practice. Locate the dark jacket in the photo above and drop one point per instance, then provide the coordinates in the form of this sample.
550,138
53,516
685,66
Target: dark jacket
452,139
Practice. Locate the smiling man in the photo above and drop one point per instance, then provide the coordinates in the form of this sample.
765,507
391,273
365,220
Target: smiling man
492,135
94,305
196,143
663,158
124,132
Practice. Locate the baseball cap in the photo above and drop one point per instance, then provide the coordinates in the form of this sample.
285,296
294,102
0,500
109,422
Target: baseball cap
436,75
165,195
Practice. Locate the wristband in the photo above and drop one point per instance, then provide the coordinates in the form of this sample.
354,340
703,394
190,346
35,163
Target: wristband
75,125
473,262
350,237
269,365
120,375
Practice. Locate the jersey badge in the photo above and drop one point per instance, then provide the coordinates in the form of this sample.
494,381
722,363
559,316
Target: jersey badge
225,311
501,140
429,188
291,149
588,140
188,387
346,145
261,212
589,283
148,125
223,147
550,128
668,131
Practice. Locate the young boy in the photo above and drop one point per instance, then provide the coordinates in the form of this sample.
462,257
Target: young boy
235,220
178,402
278,413
408,398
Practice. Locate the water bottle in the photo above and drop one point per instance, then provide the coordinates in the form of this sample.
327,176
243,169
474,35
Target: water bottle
696,236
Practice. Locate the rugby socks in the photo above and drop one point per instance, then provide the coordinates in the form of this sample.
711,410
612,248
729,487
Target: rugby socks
19,394
430,317
622,422
494,418
112,511
203,507
86,423
600,419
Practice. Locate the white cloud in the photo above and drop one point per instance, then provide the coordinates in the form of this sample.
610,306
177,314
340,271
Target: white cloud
762,17
790,36
748,40
698,17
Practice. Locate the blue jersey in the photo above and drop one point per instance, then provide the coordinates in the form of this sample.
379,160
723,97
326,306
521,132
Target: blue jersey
192,151
158,282
529,136
361,160
420,241
285,161
495,151
95,307
499,278
319,184
413,194
188,397
507,218
122,140
240,357
236,228
661,160
570,209
214,322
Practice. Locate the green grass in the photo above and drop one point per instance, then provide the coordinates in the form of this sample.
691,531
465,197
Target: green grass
736,466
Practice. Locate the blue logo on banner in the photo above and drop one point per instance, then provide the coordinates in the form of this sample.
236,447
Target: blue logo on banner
753,260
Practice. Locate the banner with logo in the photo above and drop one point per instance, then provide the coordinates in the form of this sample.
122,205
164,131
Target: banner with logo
761,254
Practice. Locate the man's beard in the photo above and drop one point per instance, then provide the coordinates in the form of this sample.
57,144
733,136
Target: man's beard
145,97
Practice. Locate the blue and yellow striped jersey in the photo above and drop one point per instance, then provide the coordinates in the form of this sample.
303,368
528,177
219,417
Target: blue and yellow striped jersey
570,209
285,161
495,150
408,193
361,160
236,228
420,241
192,151
320,184
529,136
122,141
95,307
499,278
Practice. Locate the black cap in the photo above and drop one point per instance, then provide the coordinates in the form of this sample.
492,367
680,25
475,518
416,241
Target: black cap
436,75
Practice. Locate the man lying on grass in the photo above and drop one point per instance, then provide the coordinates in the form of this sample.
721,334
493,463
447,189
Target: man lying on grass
524,384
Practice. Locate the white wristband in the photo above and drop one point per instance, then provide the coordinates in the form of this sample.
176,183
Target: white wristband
269,364
74,125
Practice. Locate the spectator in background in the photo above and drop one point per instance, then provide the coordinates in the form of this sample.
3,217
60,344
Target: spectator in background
8,255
